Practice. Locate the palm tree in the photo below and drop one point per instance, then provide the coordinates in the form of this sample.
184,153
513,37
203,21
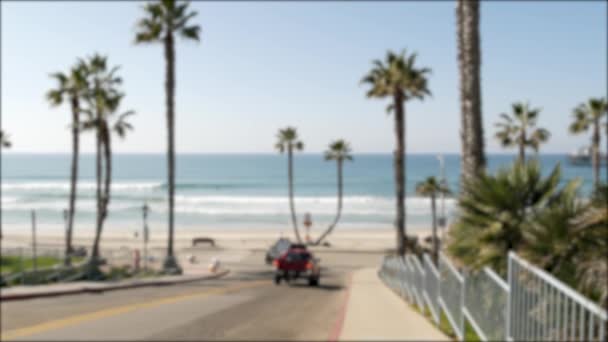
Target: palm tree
4,141
431,187
469,62
70,87
162,21
339,151
590,115
551,239
519,129
399,79
495,210
103,99
287,140
592,269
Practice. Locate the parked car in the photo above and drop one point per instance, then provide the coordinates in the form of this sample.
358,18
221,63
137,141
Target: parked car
277,249
297,262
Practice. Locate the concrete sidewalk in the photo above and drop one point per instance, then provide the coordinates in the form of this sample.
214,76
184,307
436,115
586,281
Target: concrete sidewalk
374,312
60,289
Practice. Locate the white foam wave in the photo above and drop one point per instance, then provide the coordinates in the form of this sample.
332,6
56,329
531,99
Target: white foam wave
65,186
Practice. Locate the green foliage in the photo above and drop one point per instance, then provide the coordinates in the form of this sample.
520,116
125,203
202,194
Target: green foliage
550,226
586,114
592,237
519,129
551,240
495,210
398,74
287,139
12,264
339,150
163,18
431,187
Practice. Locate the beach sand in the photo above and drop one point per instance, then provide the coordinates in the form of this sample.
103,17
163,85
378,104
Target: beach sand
233,238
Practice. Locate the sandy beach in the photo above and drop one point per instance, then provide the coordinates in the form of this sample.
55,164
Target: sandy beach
253,238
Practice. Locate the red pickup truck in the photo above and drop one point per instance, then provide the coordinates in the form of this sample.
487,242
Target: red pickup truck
297,262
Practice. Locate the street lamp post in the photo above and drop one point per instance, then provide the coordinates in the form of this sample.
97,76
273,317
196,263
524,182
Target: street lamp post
145,210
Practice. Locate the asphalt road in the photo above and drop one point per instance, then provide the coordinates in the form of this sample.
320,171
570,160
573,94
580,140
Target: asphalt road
244,305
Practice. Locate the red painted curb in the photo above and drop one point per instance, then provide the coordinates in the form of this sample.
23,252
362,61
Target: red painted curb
337,330
109,288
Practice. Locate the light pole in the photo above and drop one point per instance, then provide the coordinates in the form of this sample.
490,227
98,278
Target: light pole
145,210
442,219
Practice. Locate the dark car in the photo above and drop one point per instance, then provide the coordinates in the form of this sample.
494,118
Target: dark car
296,263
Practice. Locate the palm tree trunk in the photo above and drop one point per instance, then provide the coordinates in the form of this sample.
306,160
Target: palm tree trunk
400,172
73,179
339,212
473,157
595,145
170,263
435,241
108,174
98,176
294,220
522,142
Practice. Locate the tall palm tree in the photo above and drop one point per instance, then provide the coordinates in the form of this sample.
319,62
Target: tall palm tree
589,116
70,87
103,98
287,140
432,187
339,151
469,63
4,140
401,80
520,130
163,20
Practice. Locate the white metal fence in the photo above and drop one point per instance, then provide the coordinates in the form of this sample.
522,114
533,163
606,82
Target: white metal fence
531,305
543,308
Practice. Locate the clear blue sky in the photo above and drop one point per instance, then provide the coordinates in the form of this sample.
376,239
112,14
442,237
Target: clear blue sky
262,66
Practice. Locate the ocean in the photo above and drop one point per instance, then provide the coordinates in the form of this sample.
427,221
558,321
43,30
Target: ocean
232,190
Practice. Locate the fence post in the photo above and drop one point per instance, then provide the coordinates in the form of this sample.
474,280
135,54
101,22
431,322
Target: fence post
462,290
508,335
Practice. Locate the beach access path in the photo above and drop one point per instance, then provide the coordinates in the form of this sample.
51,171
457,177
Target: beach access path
374,312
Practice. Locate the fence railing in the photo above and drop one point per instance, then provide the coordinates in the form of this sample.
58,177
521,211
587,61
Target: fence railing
531,305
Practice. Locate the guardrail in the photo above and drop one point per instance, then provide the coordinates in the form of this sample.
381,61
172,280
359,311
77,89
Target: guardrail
531,305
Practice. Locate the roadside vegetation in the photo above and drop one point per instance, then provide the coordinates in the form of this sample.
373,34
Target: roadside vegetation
12,264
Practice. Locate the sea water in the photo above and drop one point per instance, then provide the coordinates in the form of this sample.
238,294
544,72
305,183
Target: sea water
216,191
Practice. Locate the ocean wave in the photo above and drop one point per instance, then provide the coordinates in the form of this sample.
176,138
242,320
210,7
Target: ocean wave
65,186
237,205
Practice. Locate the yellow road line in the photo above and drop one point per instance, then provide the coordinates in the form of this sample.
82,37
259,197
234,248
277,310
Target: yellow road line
76,319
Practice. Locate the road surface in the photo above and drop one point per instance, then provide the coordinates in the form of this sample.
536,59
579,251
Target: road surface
244,305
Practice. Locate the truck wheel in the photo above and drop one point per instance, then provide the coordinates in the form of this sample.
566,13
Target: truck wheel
313,281
277,279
